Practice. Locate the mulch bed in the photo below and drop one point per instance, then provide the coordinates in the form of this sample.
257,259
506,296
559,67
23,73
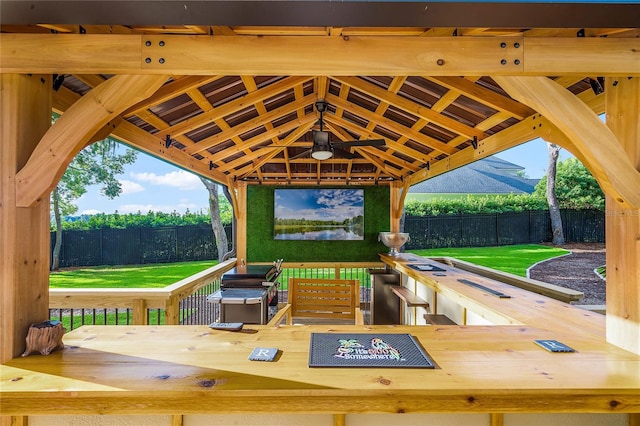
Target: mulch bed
576,271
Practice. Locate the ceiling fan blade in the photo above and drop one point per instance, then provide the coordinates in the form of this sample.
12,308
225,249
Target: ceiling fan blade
343,153
364,142
302,154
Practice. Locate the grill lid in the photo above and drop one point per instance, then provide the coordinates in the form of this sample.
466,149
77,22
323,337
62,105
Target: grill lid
258,272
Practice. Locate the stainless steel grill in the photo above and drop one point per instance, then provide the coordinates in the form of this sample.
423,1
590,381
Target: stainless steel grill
248,294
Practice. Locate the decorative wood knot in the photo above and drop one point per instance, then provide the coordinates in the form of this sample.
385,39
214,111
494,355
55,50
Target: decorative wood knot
384,381
44,337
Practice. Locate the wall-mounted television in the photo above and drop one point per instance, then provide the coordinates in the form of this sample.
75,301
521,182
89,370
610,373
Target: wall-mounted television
318,214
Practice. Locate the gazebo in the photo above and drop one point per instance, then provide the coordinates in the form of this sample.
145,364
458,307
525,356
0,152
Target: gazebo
255,94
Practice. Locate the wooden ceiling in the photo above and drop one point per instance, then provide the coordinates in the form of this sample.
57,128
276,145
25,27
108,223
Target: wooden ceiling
257,127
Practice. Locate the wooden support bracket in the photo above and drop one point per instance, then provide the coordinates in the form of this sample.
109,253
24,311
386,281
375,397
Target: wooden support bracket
596,144
74,129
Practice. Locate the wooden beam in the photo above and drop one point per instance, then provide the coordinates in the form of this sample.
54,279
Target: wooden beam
484,96
155,146
349,55
623,223
239,189
397,209
169,91
395,199
591,56
74,128
609,163
25,115
508,138
528,129
144,141
355,55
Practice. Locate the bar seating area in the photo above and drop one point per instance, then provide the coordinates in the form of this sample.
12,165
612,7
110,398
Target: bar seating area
352,102
485,368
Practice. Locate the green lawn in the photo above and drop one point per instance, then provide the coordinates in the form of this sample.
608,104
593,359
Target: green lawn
513,259
138,276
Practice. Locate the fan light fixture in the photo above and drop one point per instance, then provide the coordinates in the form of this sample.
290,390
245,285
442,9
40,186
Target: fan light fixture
321,148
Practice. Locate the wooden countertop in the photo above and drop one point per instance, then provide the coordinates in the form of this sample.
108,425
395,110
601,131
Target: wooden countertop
523,307
194,369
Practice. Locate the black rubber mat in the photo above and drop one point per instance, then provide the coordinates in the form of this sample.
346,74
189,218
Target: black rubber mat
367,350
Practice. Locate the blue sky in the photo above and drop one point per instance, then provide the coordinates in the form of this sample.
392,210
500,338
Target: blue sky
154,185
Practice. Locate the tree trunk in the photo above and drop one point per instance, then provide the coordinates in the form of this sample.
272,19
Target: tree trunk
55,262
234,236
552,200
216,223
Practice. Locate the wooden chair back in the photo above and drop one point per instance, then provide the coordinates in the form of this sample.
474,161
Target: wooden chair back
324,299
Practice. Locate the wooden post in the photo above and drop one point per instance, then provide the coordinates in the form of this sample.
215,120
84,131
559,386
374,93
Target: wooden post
623,224
172,311
240,189
25,116
395,209
140,316
497,419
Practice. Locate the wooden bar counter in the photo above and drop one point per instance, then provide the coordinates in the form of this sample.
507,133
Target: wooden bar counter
194,369
493,371
522,307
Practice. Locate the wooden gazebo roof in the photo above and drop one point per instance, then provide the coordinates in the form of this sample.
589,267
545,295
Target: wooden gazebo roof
429,92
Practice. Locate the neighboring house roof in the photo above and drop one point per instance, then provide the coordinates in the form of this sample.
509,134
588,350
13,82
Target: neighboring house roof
491,175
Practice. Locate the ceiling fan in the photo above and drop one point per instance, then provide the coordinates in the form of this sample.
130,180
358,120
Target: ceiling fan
323,148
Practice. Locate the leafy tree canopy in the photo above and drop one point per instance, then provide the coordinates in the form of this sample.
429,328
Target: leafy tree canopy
97,164
576,188
475,205
148,220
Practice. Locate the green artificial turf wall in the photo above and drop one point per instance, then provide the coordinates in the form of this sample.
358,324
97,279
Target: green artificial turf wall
262,247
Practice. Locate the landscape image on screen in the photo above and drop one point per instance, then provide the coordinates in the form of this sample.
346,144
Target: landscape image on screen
319,214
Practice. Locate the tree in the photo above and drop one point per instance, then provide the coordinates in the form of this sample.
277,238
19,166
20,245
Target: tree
552,200
576,188
97,164
571,186
216,221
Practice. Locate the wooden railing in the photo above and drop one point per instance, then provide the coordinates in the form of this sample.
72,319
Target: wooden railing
183,302
138,301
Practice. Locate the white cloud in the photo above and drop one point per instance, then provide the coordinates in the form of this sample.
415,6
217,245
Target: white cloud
180,179
129,187
166,208
91,211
